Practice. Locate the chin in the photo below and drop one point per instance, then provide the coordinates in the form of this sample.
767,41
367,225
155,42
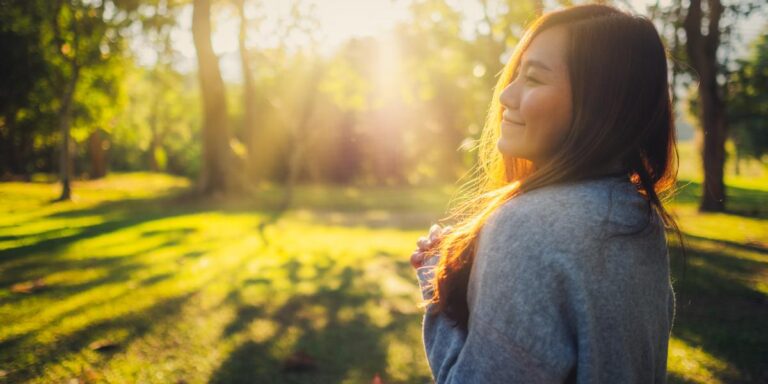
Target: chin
508,148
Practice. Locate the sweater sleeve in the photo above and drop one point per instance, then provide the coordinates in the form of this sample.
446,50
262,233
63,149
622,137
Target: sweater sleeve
519,329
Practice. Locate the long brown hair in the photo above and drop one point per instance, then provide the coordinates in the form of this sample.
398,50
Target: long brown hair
622,112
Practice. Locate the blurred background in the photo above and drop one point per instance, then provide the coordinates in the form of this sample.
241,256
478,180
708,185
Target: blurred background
229,190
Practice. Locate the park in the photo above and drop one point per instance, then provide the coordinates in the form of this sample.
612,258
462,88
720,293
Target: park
250,220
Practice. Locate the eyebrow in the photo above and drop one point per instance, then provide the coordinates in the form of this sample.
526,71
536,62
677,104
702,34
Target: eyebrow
536,63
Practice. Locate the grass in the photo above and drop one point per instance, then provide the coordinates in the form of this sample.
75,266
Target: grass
720,333
136,282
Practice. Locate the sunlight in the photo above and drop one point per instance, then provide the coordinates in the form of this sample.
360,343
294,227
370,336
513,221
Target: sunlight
339,20
694,364
388,67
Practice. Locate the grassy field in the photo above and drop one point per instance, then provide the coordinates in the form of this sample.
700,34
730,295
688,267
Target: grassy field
721,333
136,282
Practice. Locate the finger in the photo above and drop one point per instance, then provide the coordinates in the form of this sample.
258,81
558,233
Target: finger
446,230
438,235
423,243
416,259
435,228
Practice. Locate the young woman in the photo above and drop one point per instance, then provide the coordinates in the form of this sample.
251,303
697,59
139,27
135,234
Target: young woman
557,269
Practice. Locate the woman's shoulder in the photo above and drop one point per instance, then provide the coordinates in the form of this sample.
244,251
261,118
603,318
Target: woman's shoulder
576,200
575,211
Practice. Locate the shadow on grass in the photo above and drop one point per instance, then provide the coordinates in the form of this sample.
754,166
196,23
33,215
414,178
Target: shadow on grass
29,358
119,270
24,356
340,339
719,310
745,247
739,201
45,257
674,378
118,214
345,340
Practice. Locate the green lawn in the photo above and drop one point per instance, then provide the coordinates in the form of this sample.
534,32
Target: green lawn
136,282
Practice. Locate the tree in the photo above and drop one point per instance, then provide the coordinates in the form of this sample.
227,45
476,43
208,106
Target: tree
702,54
747,101
707,28
22,65
249,87
216,174
83,36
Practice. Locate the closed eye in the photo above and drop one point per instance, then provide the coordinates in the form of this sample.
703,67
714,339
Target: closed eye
528,78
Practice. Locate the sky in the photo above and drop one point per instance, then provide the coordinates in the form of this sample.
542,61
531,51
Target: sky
339,21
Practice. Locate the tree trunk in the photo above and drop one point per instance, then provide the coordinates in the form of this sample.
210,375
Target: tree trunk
97,155
215,174
702,53
7,148
713,154
24,151
64,117
153,143
249,91
301,138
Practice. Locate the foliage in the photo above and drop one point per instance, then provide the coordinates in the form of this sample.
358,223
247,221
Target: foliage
748,101
399,108
25,99
162,106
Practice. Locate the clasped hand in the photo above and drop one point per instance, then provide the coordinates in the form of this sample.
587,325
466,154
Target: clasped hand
425,244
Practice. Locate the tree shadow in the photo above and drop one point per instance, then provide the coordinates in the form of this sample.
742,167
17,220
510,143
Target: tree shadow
720,310
118,270
742,202
675,378
21,366
341,338
745,247
120,214
24,358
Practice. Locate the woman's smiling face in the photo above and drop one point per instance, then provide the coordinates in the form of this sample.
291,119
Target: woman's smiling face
537,103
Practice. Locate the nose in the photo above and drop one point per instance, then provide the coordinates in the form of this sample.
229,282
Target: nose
509,97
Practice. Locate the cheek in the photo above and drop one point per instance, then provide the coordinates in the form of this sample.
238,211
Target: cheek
547,115
545,109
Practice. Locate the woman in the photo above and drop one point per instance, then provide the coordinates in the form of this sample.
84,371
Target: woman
558,269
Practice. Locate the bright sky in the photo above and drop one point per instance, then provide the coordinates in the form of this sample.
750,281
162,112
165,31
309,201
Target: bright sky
339,20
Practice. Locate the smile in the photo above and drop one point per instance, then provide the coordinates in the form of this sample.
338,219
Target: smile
511,122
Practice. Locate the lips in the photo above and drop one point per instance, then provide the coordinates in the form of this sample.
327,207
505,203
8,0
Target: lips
508,120
512,122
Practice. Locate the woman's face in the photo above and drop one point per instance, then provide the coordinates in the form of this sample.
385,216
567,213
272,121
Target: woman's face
537,103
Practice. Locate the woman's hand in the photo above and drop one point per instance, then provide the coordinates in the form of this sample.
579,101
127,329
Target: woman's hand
427,243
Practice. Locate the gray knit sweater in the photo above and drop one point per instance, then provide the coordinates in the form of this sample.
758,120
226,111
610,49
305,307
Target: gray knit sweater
560,292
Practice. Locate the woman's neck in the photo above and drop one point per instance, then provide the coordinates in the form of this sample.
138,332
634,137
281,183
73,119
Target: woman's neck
614,168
